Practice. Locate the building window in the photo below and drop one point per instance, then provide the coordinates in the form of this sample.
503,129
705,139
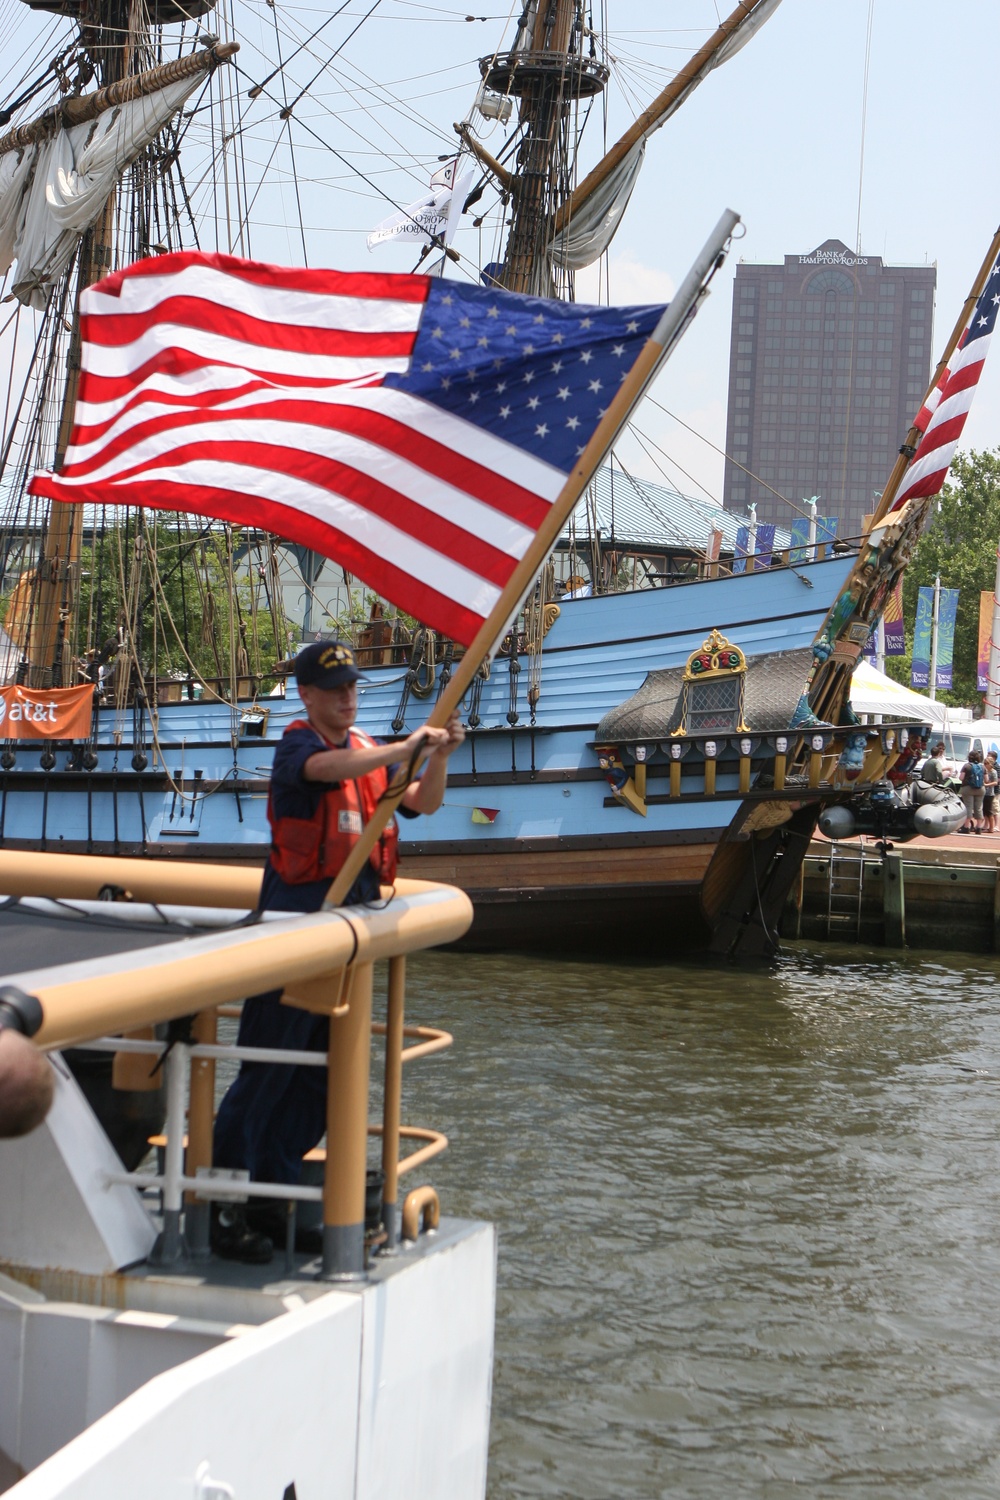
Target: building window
918,295
830,282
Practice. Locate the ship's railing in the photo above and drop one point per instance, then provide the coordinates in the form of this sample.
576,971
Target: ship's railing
323,962
198,1059
783,761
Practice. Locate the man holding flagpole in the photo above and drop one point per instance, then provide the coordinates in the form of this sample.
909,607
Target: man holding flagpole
432,436
327,780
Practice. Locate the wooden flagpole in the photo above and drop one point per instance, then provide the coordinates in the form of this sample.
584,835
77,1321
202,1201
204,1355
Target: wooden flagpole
658,347
912,439
831,677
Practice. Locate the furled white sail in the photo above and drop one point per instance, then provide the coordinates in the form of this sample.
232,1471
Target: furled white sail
590,231
53,190
595,220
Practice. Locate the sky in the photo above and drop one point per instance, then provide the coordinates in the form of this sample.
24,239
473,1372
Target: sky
775,134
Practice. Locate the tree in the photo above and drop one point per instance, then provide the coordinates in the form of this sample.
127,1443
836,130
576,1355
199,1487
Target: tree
960,545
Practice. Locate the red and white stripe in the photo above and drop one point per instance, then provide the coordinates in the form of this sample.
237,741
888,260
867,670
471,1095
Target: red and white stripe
253,394
942,418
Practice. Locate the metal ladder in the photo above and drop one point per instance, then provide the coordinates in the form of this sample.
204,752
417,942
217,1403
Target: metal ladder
844,890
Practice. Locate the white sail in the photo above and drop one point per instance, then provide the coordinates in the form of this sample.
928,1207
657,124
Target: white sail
595,220
53,190
591,230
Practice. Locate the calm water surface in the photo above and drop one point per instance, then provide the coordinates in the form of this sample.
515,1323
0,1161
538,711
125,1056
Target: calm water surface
749,1222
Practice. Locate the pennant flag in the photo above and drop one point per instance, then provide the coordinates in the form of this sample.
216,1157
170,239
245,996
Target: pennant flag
895,632
942,418
920,668
985,640
485,814
416,430
434,216
947,610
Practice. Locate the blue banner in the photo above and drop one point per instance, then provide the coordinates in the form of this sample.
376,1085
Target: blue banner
740,555
826,529
799,551
921,666
947,609
765,545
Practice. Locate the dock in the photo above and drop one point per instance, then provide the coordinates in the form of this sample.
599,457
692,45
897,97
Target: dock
930,893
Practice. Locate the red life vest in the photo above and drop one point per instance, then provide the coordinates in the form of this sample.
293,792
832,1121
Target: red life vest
315,848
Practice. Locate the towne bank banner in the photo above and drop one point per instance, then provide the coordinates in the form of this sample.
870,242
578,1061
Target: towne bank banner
45,713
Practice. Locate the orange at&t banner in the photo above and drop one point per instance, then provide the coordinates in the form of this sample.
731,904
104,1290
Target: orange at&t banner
45,713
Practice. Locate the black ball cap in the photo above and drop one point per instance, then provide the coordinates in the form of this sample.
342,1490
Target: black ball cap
326,664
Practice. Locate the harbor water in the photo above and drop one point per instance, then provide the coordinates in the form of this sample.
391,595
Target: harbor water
749,1221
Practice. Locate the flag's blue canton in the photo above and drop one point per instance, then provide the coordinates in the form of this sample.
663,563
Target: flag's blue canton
538,373
985,316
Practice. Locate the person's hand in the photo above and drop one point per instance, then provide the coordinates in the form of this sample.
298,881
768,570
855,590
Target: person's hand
424,738
455,730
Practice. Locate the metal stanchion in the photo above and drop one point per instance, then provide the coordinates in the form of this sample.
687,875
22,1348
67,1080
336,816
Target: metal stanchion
169,1245
393,1099
347,1134
199,1153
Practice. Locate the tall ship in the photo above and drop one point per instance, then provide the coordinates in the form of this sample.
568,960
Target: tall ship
644,765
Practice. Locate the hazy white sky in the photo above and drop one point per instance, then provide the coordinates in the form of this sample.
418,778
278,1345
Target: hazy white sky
775,134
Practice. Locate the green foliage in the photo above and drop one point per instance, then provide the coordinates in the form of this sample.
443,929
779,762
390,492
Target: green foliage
184,594
961,546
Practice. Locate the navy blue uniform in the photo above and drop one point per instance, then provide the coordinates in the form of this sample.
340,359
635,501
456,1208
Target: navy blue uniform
272,1114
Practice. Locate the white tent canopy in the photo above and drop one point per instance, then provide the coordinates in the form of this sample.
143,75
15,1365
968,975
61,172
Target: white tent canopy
872,692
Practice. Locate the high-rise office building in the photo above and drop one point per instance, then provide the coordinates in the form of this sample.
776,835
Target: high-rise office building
829,360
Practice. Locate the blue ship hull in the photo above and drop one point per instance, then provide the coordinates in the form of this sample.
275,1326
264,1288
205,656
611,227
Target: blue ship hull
551,858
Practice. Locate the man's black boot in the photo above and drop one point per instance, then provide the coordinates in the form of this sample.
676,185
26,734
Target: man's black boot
231,1237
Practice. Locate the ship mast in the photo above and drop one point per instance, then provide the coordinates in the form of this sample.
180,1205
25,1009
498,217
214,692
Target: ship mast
116,65
552,65
549,71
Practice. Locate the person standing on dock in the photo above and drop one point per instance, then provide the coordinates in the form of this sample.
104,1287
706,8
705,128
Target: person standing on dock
990,779
326,780
972,777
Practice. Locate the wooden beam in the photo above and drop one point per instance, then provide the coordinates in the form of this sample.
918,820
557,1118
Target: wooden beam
78,110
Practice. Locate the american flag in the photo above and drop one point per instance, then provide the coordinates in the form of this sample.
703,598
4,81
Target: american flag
942,417
414,429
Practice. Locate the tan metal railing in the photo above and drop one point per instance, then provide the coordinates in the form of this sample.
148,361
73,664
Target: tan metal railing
322,961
